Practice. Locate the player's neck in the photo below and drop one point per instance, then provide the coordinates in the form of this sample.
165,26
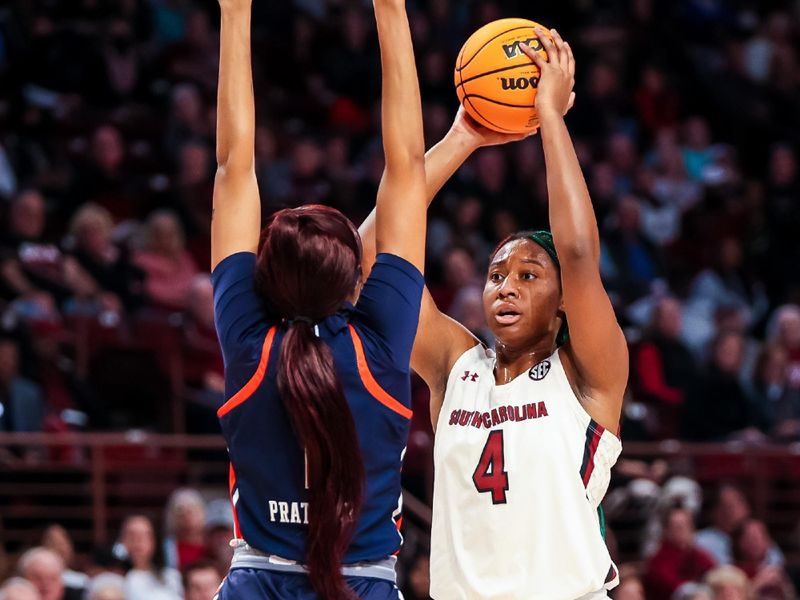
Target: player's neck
511,362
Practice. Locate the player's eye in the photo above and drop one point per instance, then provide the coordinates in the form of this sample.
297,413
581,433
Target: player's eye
528,276
495,277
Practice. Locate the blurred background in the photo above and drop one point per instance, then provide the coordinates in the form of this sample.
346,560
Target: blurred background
687,124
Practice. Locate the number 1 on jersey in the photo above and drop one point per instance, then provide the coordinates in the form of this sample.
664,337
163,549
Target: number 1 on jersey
490,474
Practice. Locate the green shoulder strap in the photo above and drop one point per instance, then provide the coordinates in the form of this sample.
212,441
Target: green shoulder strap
602,516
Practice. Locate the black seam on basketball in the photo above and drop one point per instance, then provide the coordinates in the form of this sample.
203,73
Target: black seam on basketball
460,76
497,102
459,58
489,41
487,120
468,79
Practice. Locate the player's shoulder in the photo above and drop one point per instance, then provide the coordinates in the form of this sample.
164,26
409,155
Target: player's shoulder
478,357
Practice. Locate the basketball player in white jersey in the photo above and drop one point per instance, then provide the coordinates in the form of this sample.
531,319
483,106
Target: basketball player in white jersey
524,434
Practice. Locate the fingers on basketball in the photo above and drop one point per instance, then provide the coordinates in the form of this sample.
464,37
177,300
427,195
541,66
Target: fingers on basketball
497,75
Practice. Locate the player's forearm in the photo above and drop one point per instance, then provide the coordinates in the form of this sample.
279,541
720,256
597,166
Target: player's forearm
441,162
235,102
401,108
572,218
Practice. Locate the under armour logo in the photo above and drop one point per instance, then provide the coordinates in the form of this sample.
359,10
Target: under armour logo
470,376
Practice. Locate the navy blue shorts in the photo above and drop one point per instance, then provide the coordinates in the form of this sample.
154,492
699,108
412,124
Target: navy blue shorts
263,584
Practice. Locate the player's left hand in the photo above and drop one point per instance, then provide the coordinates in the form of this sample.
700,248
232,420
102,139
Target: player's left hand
554,96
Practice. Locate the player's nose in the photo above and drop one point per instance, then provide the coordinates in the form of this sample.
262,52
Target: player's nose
508,289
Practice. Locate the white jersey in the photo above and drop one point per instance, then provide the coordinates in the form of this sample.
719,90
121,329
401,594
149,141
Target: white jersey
521,469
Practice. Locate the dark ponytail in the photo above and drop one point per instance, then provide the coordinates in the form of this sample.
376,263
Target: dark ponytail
307,267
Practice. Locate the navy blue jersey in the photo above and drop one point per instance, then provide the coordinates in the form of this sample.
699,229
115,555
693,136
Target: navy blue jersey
371,345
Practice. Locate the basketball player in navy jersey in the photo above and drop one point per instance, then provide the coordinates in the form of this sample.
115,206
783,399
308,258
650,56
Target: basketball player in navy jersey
318,390
524,442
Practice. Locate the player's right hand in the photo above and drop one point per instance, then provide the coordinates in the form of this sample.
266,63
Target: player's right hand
478,136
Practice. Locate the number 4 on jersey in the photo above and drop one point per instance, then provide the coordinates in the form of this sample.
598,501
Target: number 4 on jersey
490,474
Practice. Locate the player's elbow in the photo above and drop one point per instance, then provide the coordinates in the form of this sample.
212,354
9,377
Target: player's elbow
231,161
584,250
406,163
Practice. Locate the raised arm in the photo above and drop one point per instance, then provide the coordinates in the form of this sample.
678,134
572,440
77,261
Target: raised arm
236,216
440,340
597,346
441,162
401,205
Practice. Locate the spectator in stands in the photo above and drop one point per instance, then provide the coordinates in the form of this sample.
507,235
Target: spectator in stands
492,182
22,405
784,330
196,55
203,359
657,102
123,65
168,266
729,509
727,285
782,219
104,178
678,560
630,588
698,153
693,591
677,491
777,403
56,538
17,588
118,283
218,534
149,578
189,193
201,580
752,553
459,272
187,121
634,258
664,371
728,583
467,309
45,570
184,520
721,410
107,586
32,268
671,184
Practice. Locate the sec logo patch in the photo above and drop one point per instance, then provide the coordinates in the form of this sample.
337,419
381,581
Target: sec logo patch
540,371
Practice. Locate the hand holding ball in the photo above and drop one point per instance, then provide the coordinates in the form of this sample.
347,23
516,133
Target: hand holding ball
495,81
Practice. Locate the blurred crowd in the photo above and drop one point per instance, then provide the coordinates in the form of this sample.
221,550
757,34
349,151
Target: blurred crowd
185,554
185,559
687,124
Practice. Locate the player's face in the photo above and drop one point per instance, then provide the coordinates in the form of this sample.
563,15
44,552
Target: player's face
522,295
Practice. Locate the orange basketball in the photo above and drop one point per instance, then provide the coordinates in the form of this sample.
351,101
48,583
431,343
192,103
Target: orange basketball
495,81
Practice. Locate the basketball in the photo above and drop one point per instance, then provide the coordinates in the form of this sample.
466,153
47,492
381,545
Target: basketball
495,82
